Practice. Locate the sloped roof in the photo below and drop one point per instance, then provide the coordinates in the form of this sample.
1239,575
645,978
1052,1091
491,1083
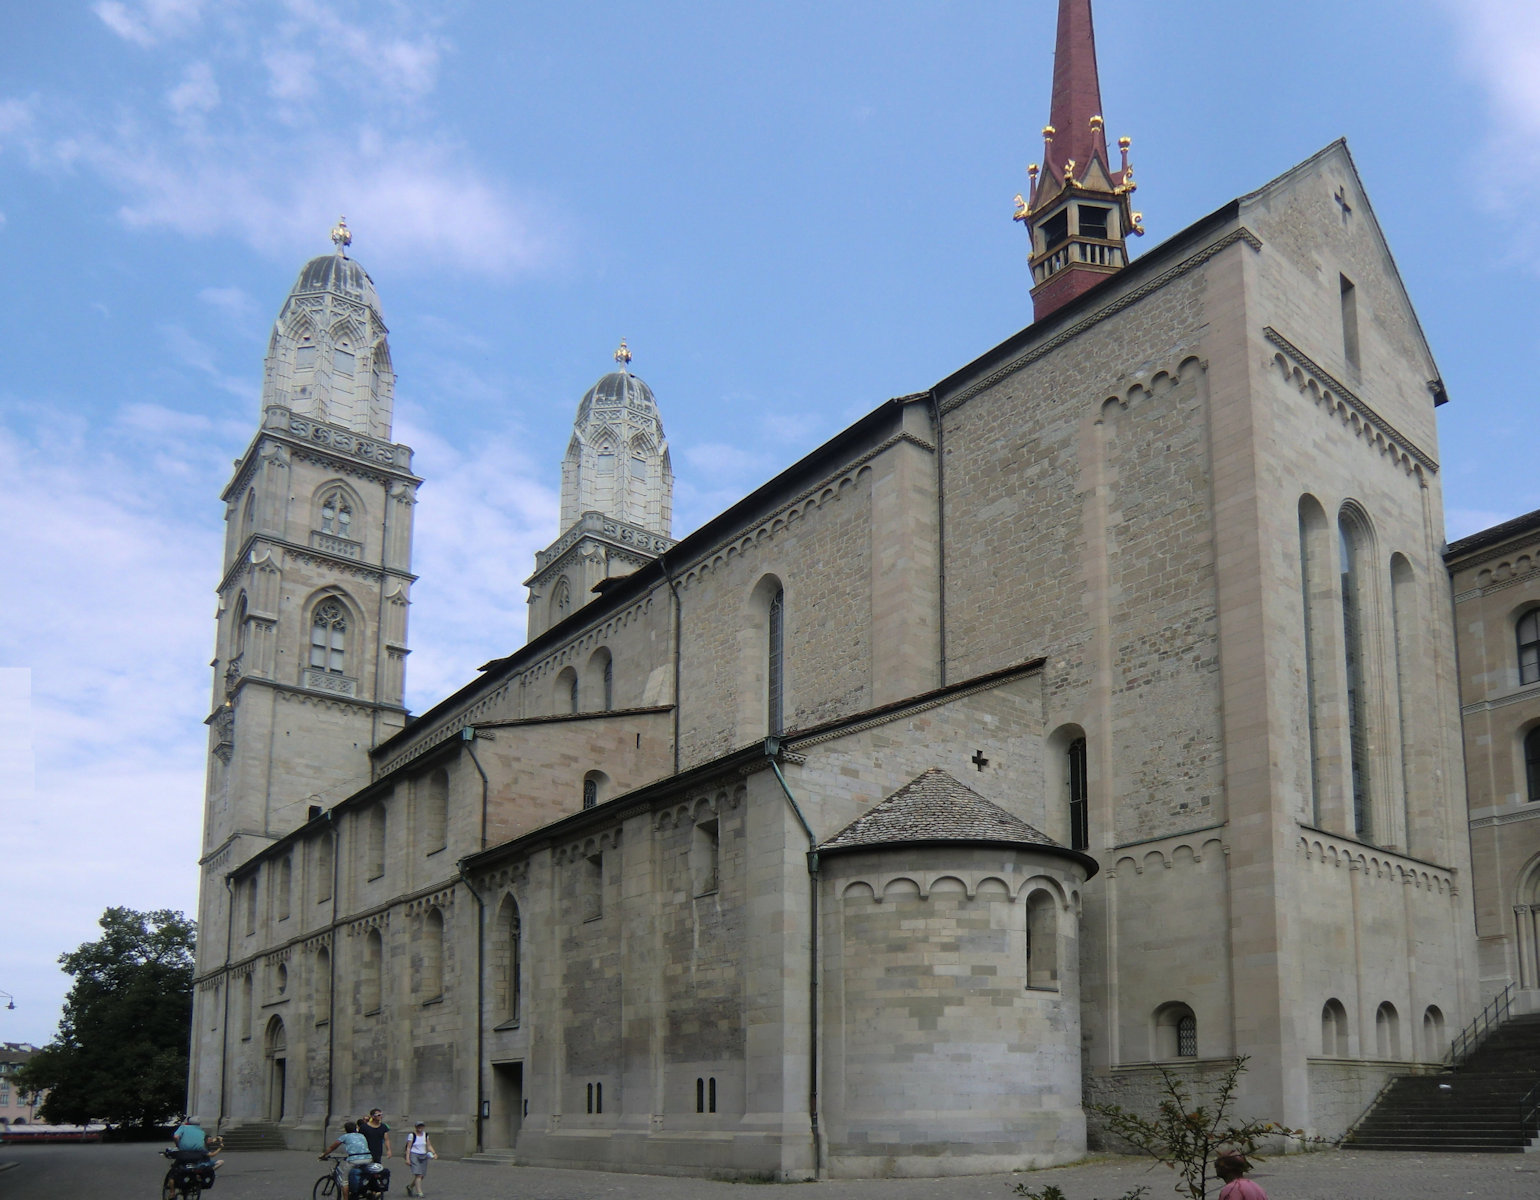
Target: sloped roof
937,808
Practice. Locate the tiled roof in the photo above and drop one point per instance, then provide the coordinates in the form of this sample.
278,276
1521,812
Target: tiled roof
936,808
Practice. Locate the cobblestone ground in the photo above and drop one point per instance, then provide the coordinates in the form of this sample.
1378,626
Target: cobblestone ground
58,1172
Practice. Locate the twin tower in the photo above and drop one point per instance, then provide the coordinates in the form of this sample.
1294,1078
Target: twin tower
311,640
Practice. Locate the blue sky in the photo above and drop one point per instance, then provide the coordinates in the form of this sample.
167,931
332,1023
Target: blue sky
792,212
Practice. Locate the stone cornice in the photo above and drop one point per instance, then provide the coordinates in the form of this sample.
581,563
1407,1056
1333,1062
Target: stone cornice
1187,265
1329,387
633,538
1532,813
370,571
328,444
1528,691
294,692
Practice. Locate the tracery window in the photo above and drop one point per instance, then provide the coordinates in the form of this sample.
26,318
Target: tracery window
1529,646
328,637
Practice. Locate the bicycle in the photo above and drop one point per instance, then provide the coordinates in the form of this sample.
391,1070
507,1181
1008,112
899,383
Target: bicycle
186,1180
374,1181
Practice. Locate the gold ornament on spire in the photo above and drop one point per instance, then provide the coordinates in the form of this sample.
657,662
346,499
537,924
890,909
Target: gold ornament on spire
342,236
623,355
1022,212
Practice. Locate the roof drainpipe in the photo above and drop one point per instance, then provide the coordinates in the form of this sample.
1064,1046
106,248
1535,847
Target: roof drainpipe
481,1024
468,736
773,753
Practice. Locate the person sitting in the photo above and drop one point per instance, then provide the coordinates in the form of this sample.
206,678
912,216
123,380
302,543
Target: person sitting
356,1149
192,1145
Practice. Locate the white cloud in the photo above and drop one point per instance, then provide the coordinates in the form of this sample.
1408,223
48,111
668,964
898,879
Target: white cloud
1499,42
234,302
149,22
197,93
394,62
200,356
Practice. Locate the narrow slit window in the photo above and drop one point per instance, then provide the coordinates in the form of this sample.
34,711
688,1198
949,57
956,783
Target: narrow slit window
1349,321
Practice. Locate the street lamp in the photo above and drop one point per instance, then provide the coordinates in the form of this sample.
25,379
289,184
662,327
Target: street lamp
11,998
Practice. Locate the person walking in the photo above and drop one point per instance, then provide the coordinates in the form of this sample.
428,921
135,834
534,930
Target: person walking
417,1152
377,1134
1230,1167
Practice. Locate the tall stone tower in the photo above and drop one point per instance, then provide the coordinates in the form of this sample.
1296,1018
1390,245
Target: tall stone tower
310,647
617,497
1079,210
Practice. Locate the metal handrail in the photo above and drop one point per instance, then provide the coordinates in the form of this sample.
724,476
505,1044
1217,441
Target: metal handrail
1347,1135
1469,1039
1529,1109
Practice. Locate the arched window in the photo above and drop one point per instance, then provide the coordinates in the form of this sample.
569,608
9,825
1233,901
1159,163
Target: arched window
323,986
238,629
600,679
304,353
433,810
249,515
509,972
1079,796
1387,1031
1529,646
374,843
325,847
1434,1043
1334,1029
1355,646
1176,1032
596,786
1315,594
328,637
430,982
248,988
337,514
567,695
608,683
280,979
705,849
561,599
775,663
369,973
1042,943
1532,763
281,890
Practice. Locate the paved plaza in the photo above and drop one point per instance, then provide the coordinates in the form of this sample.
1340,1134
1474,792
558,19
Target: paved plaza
51,1172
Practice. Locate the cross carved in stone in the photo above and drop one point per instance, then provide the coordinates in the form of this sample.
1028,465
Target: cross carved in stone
978,760
1342,203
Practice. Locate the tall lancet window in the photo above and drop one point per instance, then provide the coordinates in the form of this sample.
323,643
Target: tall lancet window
775,664
328,637
1079,797
1354,646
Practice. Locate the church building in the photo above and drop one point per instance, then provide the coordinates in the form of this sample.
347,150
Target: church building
1093,710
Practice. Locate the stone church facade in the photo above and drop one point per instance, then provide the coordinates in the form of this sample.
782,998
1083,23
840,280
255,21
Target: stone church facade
1096,708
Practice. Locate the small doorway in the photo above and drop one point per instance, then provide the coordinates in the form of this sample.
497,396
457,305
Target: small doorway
502,1131
277,1069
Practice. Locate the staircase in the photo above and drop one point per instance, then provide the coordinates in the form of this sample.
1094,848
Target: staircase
252,1135
496,1158
1478,1107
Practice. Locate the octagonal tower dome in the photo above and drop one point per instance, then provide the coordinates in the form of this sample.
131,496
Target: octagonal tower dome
329,358
617,461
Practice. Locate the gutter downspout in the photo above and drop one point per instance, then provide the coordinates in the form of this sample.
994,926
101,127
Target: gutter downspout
772,753
678,615
331,987
468,736
224,1026
481,1024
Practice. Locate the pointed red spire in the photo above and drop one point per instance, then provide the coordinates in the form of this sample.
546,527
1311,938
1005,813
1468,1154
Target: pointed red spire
1078,209
1077,92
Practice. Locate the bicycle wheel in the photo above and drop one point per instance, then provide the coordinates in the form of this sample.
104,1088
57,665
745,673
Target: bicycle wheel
324,1187
168,1189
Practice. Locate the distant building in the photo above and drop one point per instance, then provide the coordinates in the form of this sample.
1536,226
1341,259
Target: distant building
1092,710
1496,577
17,1107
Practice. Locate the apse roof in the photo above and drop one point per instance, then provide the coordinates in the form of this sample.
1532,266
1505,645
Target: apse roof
937,808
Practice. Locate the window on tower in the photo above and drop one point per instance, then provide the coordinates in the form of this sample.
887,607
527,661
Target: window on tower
337,515
1093,221
1529,646
1056,229
304,355
328,637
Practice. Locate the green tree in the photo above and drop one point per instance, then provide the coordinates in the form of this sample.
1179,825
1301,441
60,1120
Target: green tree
120,1055
1186,1137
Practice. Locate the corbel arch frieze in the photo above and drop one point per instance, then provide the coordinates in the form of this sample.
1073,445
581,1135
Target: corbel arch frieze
606,839
443,900
834,488
1151,385
378,921
320,941
1334,398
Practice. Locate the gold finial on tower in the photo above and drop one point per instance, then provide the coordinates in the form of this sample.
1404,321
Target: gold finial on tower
623,355
342,236
1022,212
1097,122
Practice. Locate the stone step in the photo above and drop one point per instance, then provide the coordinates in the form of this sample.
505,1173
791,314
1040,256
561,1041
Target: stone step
494,1158
252,1135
